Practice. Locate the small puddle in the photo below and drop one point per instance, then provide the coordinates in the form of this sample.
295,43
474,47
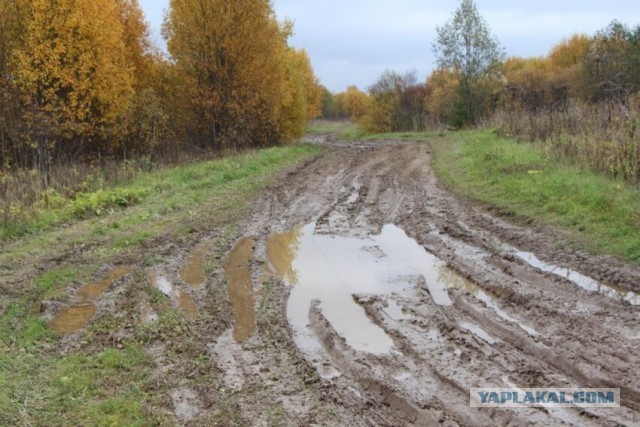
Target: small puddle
477,331
72,319
93,290
240,289
181,299
192,272
585,282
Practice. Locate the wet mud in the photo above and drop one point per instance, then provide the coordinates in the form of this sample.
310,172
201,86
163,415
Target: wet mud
368,294
401,297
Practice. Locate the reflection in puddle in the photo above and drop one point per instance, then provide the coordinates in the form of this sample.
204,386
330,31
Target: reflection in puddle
331,269
585,282
193,270
281,249
240,289
181,299
456,281
73,319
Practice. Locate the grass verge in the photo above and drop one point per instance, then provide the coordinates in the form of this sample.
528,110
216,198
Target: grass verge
522,181
101,379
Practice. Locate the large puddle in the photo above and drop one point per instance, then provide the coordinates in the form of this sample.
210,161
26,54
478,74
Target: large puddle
331,269
240,289
585,282
72,319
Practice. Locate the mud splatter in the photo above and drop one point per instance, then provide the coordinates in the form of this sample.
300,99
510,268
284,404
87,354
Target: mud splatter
192,271
241,290
73,319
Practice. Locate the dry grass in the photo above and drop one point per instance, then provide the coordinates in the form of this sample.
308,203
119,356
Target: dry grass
604,138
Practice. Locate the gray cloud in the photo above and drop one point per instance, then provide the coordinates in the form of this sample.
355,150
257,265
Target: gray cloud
353,42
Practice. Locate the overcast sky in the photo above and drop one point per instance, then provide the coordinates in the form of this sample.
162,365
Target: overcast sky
354,41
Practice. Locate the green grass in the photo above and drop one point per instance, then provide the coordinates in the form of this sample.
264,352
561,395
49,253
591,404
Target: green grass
185,185
99,382
600,213
341,129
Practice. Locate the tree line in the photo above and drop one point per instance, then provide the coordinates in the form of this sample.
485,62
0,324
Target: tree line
474,80
582,99
81,80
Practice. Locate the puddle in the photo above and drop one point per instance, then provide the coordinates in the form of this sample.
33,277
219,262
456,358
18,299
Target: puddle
281,249
477,331
456,281
72,319
585,282
331,269
240,289
93,290
193,270
180,299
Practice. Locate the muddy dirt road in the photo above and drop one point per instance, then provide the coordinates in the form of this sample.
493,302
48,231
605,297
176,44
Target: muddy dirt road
363,293
402,297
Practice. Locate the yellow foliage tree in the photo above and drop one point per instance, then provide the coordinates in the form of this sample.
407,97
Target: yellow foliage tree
71,71
442,86
354,103
301,95
232,60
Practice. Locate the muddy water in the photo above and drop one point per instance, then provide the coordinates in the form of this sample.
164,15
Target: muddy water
73,319
94,290
192,271
585,282
240,289
331,269
182,300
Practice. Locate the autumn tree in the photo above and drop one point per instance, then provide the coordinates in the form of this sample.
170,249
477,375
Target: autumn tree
396,103
611,63
354,103
466,46
70,69
234,69
301,95
440,97
328,106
